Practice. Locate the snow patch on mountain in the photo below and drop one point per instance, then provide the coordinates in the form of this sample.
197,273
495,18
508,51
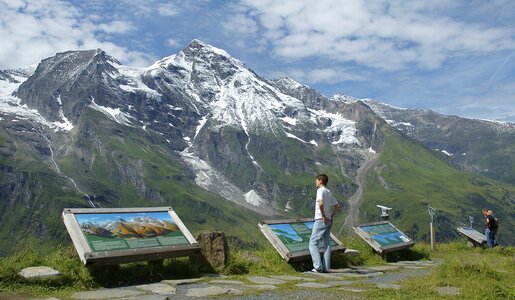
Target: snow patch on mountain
445,152
133,78
11,105
254,199
397,124
343,98
340,130
213,181
114,113
294,137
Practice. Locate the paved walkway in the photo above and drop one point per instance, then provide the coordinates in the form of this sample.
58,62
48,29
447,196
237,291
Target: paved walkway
349,281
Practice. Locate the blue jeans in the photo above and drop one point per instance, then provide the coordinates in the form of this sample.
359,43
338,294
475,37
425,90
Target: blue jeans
321,231
490,237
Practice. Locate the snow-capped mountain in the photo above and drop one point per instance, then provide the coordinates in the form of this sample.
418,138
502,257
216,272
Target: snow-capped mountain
197,130
192,100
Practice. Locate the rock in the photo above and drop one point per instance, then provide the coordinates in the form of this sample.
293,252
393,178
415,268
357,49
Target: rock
146,297
335,283
351,253
264,280
448,291
313,285
157,288
106,294
221,281
40,272
383,268
181,281
211,291
291,278
214,248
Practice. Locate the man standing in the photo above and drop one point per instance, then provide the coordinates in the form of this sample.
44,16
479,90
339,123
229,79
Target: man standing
489,227
325,209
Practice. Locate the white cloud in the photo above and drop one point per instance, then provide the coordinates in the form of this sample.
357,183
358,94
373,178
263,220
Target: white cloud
240,24
117,27
389,35
319,75
34,30
168,9
174,43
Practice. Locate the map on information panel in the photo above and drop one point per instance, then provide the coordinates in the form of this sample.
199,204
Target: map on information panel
123,231
383,236
295,236
291,238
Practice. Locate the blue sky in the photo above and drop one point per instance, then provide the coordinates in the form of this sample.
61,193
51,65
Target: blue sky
454,57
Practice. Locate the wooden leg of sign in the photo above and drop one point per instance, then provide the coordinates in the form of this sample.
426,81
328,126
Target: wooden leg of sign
432,228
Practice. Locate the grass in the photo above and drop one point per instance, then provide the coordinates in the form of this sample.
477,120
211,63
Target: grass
478,273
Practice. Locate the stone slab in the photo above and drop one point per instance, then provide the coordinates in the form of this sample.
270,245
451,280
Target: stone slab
448,291
146,297
336,283
389,286
181,281
212,291
313,285
221,281
383,268
367,275
40,272
329,276
157,288
292,278
344,270
365,271
106,294
265,280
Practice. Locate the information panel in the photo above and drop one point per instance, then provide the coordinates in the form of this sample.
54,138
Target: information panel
291,238
383,236
113,236
476,237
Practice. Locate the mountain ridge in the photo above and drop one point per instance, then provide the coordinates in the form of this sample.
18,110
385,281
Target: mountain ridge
197,126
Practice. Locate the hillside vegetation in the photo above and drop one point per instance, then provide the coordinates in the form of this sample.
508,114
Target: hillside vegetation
409,176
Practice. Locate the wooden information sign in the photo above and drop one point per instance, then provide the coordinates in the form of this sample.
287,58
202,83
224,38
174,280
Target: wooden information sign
475,237
383,236
108,236
291,238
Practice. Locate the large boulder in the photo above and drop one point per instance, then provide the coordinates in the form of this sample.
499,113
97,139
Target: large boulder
214,248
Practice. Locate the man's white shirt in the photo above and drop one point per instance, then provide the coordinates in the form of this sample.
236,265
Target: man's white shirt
329,201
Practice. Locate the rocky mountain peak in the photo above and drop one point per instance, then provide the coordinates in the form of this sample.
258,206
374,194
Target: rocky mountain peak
66,83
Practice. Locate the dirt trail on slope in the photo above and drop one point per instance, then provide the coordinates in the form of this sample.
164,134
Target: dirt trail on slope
357,199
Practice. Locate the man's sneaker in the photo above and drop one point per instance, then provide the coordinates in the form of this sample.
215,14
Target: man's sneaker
315,271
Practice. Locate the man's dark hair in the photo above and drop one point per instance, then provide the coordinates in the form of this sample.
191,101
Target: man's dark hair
323,178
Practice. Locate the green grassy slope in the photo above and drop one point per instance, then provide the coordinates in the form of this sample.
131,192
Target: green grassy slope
109,169
409,176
